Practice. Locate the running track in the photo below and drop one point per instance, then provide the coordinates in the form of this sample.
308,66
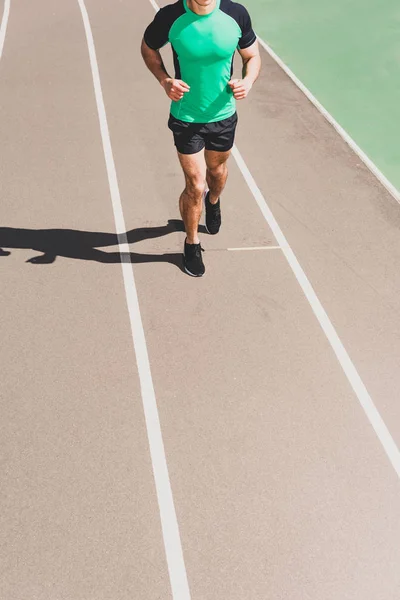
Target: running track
234,437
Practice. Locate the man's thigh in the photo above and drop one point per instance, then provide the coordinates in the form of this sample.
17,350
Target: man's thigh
193,166
215,159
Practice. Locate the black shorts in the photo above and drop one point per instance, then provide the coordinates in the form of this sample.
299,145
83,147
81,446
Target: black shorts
190,138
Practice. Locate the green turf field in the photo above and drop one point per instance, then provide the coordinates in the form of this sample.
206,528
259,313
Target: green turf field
347,53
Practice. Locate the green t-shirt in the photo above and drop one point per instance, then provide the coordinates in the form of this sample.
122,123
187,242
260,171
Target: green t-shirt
203,49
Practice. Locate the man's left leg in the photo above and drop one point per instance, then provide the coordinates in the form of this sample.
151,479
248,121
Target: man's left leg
216,176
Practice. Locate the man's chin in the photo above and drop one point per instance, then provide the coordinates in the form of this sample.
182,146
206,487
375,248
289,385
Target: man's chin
203,3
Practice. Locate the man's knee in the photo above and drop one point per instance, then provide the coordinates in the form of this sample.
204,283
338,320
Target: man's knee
195,187
217,171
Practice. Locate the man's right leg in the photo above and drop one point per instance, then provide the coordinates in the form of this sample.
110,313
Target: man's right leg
191,199
191,205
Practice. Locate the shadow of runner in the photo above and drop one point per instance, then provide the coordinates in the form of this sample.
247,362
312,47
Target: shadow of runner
83,245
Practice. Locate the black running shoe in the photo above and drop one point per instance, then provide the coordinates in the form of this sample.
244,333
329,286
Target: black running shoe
213,215
192,260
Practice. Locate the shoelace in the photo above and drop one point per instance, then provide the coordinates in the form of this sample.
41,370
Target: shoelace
215,210
194,251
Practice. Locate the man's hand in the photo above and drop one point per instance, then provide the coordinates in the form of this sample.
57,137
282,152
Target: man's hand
240,88
175,88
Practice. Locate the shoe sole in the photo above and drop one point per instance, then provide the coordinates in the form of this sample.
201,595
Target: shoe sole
192,274
210,232
187,270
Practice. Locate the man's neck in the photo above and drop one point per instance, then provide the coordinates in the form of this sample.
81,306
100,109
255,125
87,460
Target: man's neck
199,9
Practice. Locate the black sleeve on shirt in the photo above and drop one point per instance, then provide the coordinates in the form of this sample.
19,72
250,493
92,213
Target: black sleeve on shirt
242,18
248,36
156,34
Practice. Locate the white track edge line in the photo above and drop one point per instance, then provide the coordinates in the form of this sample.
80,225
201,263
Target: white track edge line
169,523
342,132
255,248
343,357
154,5
3,26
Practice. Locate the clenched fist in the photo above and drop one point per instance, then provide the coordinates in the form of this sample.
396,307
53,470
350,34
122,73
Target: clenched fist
175,88
240,88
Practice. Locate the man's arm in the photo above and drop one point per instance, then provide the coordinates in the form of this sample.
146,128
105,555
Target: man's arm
174,88
251,70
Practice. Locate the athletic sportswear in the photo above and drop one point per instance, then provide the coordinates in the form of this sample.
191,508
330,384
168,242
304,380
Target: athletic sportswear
203,49
192,260
213,215
191,138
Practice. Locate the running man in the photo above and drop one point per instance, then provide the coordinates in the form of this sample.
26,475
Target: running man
204,35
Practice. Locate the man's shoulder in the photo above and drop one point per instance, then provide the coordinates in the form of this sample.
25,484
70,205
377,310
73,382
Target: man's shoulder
172,11
235,9
157,33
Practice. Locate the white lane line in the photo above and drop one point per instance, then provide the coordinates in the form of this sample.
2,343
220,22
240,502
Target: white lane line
3,26
255,248
344,359
154,5
343,134
169,523
178,251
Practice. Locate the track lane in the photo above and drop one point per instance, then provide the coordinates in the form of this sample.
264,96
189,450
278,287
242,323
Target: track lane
249,391
79,513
